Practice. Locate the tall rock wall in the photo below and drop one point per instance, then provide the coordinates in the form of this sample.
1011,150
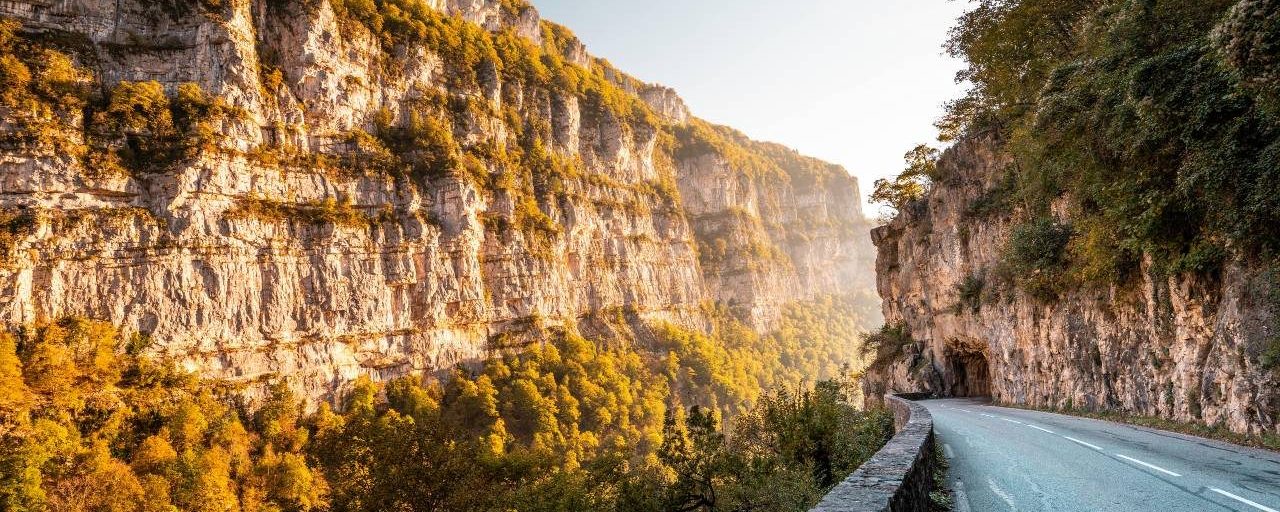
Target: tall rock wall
286,247
766,238
1184,347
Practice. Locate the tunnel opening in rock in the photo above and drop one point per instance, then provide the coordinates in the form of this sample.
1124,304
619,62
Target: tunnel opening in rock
971,374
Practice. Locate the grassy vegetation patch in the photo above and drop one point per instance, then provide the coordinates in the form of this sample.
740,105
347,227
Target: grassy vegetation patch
970,294
328,211
15,225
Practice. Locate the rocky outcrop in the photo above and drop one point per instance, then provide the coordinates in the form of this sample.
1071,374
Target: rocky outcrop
289,251
1184,347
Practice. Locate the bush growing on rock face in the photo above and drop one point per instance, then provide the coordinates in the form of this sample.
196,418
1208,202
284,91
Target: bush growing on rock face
1249,43
912,184
1039,246
138,108
970,294
327,211
886,346
142,128
42,90
14,226
422,141
1037,256
15,77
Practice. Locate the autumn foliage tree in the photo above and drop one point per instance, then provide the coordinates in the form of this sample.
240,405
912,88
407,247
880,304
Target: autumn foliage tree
87,423
912,183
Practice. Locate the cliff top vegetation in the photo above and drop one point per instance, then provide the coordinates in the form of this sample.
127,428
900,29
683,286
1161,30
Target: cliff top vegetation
1149,127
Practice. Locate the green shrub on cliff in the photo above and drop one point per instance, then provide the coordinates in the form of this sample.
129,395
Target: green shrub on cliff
912,184
41,88
970,294
422,142
55,106
1036,254
133,127
14,226
328,211
140,126
886,346
1249,43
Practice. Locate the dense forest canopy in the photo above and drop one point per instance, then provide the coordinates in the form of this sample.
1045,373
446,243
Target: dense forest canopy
86,423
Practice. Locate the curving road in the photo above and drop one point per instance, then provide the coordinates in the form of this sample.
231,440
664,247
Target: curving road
1015,460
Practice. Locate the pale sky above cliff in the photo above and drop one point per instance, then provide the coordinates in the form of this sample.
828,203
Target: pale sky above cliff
855,82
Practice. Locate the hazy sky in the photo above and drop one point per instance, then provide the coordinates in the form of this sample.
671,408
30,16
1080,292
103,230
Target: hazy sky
855,82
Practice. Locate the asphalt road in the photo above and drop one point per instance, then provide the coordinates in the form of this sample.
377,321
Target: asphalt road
1010,459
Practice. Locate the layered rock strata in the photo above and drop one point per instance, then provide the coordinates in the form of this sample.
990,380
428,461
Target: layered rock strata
284,248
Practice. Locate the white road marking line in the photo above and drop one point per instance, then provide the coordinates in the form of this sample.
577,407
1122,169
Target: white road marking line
1002,494
1074,440
1256,505
946,448
1152,466
1012,421
987,415
962,500
1041,428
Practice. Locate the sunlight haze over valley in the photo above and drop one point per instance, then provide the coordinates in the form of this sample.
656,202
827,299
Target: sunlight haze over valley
854,82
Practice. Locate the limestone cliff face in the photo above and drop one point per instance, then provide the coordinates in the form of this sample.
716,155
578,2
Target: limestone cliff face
765,239
1183,347
250,261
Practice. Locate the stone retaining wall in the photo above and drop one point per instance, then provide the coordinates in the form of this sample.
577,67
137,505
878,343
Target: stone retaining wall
899,477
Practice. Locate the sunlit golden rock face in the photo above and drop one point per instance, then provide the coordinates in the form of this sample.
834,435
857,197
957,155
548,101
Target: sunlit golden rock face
371,201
